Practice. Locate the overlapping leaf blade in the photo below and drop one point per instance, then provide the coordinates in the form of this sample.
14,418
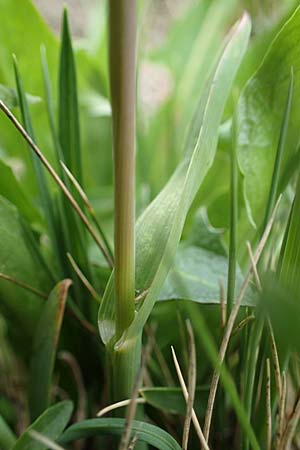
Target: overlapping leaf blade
17,259
44,349
51,424
159,228
145,432
7,438
259,117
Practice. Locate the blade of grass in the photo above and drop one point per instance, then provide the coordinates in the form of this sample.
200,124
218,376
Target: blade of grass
51,424
230,324
56,178
145,432
254,341
44,349
26,286
192,377
89,207
196,423
50,104
45,198
83,279
39,437
268,407
69,134
273,193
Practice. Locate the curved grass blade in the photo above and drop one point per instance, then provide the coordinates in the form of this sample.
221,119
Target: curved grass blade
159,228
145,432
51,424
44,349
7,437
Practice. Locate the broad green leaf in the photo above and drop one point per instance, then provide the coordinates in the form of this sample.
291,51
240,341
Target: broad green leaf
7,437
68,119
145,432
17,259
44,349
171,400
259,116
159,228
51,424
205,50
196,275
11,189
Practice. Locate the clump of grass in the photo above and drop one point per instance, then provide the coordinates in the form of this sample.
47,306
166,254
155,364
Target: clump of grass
238,380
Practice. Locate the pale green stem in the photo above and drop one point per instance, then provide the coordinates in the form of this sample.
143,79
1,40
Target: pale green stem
122,62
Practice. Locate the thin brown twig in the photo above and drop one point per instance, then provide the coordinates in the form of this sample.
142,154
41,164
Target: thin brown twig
89,207
192,374
118,405
83,279
291,426
254,266
70,360
281,413
242,324
196,423
57,180
23,285
268,407
231,321
277,371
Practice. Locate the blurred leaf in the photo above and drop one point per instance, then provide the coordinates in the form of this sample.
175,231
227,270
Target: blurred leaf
205,50
10,97
196,275
17,259
259,116
171,400
44,349
160,226
7,437
145,432
11,189
289,272
51,424
40,175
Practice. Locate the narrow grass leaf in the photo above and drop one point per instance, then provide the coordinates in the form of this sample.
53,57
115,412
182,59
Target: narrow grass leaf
44,349
171,399
51,424
44,193
69,134
145,432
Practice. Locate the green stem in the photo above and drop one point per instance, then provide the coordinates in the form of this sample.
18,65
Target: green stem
125,361
233,223
122,63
